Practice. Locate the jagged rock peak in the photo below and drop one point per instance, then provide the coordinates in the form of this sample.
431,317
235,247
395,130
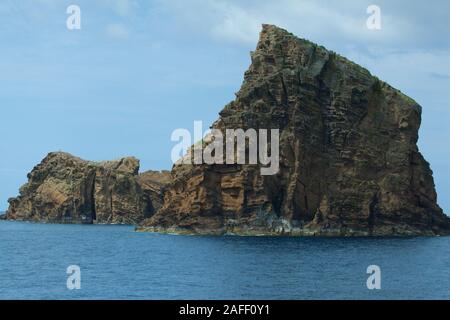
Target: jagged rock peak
126,164
349,163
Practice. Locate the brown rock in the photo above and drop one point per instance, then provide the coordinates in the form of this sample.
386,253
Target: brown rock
153,184
349,163
67,189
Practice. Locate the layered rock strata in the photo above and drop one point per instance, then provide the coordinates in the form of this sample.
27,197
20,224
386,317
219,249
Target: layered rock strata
67,189
349,162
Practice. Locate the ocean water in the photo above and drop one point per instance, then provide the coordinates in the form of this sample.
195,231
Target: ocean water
118,263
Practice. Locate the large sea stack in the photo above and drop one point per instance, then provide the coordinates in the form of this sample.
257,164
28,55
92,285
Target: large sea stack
349,162
66,189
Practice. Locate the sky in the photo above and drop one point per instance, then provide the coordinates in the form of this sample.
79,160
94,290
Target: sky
137,70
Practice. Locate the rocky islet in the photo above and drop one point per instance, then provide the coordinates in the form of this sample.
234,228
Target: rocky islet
66,189
349,162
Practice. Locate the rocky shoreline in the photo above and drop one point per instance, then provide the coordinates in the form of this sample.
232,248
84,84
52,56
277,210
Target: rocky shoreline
289,231
293,233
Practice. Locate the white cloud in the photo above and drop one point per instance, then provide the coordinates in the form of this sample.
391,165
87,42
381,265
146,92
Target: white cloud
317,20
117,31
235,23
409,69
124,8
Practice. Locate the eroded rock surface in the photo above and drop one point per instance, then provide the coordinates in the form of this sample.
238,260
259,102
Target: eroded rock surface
349,163
67,189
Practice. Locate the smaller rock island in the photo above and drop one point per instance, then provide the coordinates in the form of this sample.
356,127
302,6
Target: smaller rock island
67,189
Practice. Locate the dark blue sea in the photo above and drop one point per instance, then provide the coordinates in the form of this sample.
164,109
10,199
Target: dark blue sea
118,263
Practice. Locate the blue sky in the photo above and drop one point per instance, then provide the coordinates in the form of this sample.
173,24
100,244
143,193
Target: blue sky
137,70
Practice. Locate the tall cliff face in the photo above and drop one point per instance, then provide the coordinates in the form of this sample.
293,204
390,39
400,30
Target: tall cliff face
349,163
67,189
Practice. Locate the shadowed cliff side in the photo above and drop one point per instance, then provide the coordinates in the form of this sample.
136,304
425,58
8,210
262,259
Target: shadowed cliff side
349,163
